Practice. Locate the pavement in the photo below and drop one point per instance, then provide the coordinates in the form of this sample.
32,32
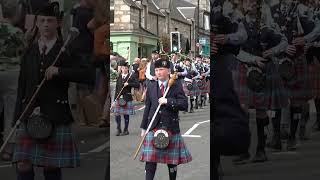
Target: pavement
195,130
302,164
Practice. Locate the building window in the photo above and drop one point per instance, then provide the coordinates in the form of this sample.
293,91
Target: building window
206,22
111,11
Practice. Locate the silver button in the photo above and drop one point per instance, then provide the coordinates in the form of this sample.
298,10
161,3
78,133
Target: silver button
58,101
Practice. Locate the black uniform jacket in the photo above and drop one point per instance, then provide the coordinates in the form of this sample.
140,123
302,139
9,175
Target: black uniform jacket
126,92
53,96
168,115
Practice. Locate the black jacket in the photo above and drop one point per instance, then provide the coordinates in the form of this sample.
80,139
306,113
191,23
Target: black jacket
53,96
168,115
230,126
126,92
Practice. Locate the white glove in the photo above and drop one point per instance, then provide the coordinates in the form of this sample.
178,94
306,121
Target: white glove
142,132
36,111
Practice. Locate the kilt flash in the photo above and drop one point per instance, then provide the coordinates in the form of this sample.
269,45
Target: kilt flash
58,151
128,109
176,153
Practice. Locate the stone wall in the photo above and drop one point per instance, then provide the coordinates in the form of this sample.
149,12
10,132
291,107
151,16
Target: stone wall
121,16
152,23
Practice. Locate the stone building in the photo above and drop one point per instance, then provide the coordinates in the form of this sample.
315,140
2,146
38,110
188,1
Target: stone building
138,26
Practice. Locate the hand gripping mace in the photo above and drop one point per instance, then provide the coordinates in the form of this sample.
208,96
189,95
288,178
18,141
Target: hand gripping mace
73,33
171,82
121,90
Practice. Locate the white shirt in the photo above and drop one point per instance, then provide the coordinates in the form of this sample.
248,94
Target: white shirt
163,82
49,44
124,76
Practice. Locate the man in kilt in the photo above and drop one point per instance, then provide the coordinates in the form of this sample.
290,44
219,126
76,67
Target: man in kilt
202,80
314,61
294,24
123,99
190,86
255,56
168,119
59,149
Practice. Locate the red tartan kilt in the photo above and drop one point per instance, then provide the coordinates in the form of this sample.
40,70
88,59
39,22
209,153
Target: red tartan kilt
194,92
240,83
128,109
300,91
58,151
314,74
204,90
176,153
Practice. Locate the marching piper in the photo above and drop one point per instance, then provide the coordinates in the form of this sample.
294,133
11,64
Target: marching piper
170,150
34,146
123,99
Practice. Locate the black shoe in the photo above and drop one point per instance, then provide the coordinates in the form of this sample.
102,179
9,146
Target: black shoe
260,157
242,159
191,111
118,132
291,145
125,132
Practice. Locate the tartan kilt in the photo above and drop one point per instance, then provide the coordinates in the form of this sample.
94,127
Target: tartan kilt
58,151
240,83
314,74
300,88
276,91
204,90
194,92
128,109
176,153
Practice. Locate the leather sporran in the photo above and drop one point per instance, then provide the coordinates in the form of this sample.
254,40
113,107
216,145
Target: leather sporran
122,101
200,84
256,79
286,69
39,127
161,139
189,86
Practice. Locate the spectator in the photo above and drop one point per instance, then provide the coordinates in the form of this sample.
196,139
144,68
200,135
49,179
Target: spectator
12,44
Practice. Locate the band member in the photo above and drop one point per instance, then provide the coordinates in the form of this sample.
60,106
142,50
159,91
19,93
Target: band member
203,72
263,41
51,103
123,105
150,74
230,125
167,119
178,66
190,86
295,28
